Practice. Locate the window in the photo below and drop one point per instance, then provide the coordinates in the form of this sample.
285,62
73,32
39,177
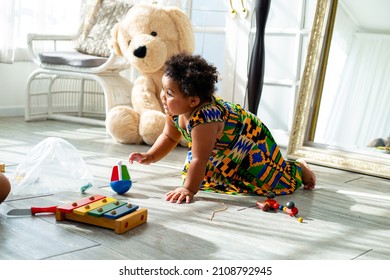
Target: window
20,17
209,19
286,37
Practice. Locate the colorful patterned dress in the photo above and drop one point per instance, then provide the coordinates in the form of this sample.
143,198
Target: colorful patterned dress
246,158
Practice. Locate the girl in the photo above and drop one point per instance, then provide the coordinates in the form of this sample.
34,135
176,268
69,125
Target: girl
229,149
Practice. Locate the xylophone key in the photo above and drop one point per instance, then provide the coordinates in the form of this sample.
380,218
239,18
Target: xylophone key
84,201
100,211
83,210
120,211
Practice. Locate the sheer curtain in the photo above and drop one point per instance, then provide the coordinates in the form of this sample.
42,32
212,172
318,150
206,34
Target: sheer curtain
19,17
356,96
6,31
361,111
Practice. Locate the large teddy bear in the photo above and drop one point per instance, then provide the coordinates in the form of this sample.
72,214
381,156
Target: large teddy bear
147,36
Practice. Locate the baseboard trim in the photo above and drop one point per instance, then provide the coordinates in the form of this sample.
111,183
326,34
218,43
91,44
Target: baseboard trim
12,111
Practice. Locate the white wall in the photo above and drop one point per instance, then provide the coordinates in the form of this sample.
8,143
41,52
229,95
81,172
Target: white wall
13,80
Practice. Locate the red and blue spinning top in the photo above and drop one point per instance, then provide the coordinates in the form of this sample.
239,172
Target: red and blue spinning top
120,179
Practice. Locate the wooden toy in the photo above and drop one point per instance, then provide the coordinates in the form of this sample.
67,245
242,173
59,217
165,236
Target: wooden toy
120,179
104,212
271,203
291,209
2,167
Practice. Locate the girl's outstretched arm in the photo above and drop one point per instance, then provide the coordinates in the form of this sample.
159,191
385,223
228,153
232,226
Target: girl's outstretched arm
165,143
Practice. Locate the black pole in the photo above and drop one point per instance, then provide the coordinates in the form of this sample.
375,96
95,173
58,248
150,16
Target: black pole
256,68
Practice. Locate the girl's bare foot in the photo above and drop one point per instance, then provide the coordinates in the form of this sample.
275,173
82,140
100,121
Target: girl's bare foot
308,176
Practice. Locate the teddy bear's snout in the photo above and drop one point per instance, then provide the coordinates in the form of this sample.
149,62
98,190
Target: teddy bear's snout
140,52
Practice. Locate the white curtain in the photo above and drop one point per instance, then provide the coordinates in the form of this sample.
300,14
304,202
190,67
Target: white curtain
361,109
6,31
19,17
355,104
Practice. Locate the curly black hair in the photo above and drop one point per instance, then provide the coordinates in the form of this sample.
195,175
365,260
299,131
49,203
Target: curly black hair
195,76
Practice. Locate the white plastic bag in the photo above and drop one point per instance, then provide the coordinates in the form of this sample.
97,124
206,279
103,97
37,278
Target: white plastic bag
53,165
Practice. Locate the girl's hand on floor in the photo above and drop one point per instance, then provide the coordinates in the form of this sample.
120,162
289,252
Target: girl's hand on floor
179,195
140,158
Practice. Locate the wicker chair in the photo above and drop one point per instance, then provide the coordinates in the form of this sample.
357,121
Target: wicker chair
73,86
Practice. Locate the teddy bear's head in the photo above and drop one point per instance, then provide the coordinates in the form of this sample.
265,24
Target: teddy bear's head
150,34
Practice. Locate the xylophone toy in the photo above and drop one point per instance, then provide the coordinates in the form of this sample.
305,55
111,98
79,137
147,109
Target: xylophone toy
103,211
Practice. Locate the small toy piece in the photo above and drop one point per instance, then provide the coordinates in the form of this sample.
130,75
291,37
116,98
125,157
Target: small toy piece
271,203
2,167
291,209
103,211
120,179
263,205
85,187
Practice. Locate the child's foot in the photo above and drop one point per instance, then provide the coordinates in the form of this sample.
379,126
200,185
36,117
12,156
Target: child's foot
308,176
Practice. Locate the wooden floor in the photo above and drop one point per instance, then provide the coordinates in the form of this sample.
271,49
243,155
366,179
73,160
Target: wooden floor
346,217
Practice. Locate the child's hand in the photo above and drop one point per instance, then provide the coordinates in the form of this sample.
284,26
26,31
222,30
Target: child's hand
140,158
179,195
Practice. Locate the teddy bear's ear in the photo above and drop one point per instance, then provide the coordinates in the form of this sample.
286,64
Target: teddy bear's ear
114,40
184,27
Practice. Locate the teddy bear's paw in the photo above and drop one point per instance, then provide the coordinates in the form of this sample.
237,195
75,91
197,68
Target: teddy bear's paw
122,124
151,125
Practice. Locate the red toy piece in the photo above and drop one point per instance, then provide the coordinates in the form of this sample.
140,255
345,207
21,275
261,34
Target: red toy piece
291,209
270,203
263,205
